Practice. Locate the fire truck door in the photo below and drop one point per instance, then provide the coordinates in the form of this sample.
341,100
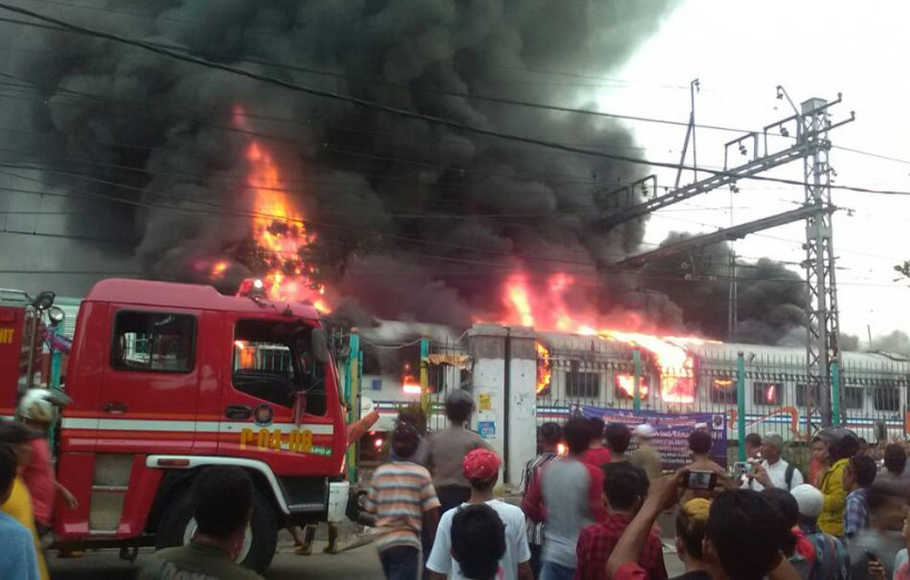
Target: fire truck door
266,376
149,394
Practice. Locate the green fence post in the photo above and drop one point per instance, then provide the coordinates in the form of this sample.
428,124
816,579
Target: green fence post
636,397
741,404
424,400
56,358
835,392
351,384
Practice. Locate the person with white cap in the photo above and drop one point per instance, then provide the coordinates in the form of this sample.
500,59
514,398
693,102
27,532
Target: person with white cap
646,456
830,554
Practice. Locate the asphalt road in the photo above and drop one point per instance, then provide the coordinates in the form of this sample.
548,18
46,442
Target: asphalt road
357,563
361,563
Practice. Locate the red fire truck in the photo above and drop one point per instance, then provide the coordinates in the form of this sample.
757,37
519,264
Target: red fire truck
167,379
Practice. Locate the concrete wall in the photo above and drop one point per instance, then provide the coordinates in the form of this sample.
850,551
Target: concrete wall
489,345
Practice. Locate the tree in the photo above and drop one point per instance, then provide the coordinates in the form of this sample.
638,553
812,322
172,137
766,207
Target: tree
904,269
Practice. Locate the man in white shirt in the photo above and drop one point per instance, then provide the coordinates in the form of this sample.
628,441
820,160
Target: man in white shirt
481,468
773,471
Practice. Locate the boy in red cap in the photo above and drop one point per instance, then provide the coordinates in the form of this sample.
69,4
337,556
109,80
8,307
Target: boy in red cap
481,469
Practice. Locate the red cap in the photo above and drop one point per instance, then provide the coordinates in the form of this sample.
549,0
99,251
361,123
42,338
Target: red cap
480,465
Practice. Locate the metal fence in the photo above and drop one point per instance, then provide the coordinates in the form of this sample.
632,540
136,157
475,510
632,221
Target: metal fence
778,398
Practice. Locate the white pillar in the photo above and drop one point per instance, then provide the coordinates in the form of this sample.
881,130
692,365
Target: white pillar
490,346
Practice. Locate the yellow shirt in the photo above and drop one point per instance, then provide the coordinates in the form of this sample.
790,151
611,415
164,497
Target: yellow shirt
831,519
19,506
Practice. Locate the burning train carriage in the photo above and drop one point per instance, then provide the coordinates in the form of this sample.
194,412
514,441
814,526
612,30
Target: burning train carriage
589,371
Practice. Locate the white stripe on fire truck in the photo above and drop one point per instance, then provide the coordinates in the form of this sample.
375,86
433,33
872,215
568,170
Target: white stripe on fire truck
188,426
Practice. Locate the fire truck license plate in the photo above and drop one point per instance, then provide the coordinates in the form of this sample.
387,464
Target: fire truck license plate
297,441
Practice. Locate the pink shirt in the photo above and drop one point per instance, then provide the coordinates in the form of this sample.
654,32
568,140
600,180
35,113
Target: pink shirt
39,479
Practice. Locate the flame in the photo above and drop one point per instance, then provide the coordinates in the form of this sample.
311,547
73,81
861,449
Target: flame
246,357
550,310
218,270
543,367
279,230
409,383
626,384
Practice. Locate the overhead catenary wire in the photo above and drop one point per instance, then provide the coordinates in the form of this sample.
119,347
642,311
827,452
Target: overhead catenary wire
472,96
366,103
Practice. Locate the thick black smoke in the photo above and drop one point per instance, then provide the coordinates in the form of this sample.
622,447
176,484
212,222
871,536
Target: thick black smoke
771,298
414,220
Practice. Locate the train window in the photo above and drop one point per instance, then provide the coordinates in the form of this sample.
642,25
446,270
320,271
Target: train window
723,390
806,397
886,399
582,385
625,387
853,397
766,393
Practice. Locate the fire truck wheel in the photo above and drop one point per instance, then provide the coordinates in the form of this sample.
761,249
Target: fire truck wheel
178,526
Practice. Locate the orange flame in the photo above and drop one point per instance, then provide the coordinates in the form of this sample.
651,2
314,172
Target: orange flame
550,310
626,384
280,232
218,270
245,356
543,367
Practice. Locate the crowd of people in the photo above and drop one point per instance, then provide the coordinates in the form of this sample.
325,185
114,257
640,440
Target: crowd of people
590,504
588,510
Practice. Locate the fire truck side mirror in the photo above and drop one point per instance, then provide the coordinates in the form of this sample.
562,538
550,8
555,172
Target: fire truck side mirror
320,345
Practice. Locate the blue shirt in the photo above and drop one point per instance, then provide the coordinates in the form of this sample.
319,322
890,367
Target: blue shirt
17,550
856,513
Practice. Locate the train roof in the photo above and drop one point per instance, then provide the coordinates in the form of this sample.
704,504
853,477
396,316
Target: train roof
565,342
730,350
389,332
172,294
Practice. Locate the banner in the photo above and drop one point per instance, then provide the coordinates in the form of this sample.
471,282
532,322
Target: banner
672,440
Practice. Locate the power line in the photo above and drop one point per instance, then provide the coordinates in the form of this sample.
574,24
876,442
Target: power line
471,96
73,272
438,120
403,112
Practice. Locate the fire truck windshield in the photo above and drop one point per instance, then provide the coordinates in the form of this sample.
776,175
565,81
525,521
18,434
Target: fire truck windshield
274,361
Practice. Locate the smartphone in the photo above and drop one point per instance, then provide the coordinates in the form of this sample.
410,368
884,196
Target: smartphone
741,468
699,479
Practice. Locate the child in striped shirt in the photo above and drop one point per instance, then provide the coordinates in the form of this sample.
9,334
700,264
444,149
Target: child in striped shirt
403,499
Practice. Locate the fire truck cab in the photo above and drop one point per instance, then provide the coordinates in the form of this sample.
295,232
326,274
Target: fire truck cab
168,379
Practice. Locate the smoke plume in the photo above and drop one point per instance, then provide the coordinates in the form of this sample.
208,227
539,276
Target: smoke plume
413,220
770,301
896,342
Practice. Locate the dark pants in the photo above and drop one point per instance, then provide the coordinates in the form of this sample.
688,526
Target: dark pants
451,496
536,550
400,562
553,571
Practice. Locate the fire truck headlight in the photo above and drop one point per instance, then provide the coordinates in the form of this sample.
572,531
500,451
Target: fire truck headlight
378,443
257,284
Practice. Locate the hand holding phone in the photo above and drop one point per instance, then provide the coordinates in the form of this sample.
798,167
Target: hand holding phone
699,479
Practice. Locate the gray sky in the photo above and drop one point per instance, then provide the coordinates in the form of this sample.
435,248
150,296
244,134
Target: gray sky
741,51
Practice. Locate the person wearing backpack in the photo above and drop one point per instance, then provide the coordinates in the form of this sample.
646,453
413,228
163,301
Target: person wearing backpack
830,561
774,470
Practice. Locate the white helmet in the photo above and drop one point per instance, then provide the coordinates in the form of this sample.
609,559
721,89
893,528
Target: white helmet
41,405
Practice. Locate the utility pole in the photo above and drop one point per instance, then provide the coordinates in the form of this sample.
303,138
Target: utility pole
731,308
694,86
822,347
808,128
